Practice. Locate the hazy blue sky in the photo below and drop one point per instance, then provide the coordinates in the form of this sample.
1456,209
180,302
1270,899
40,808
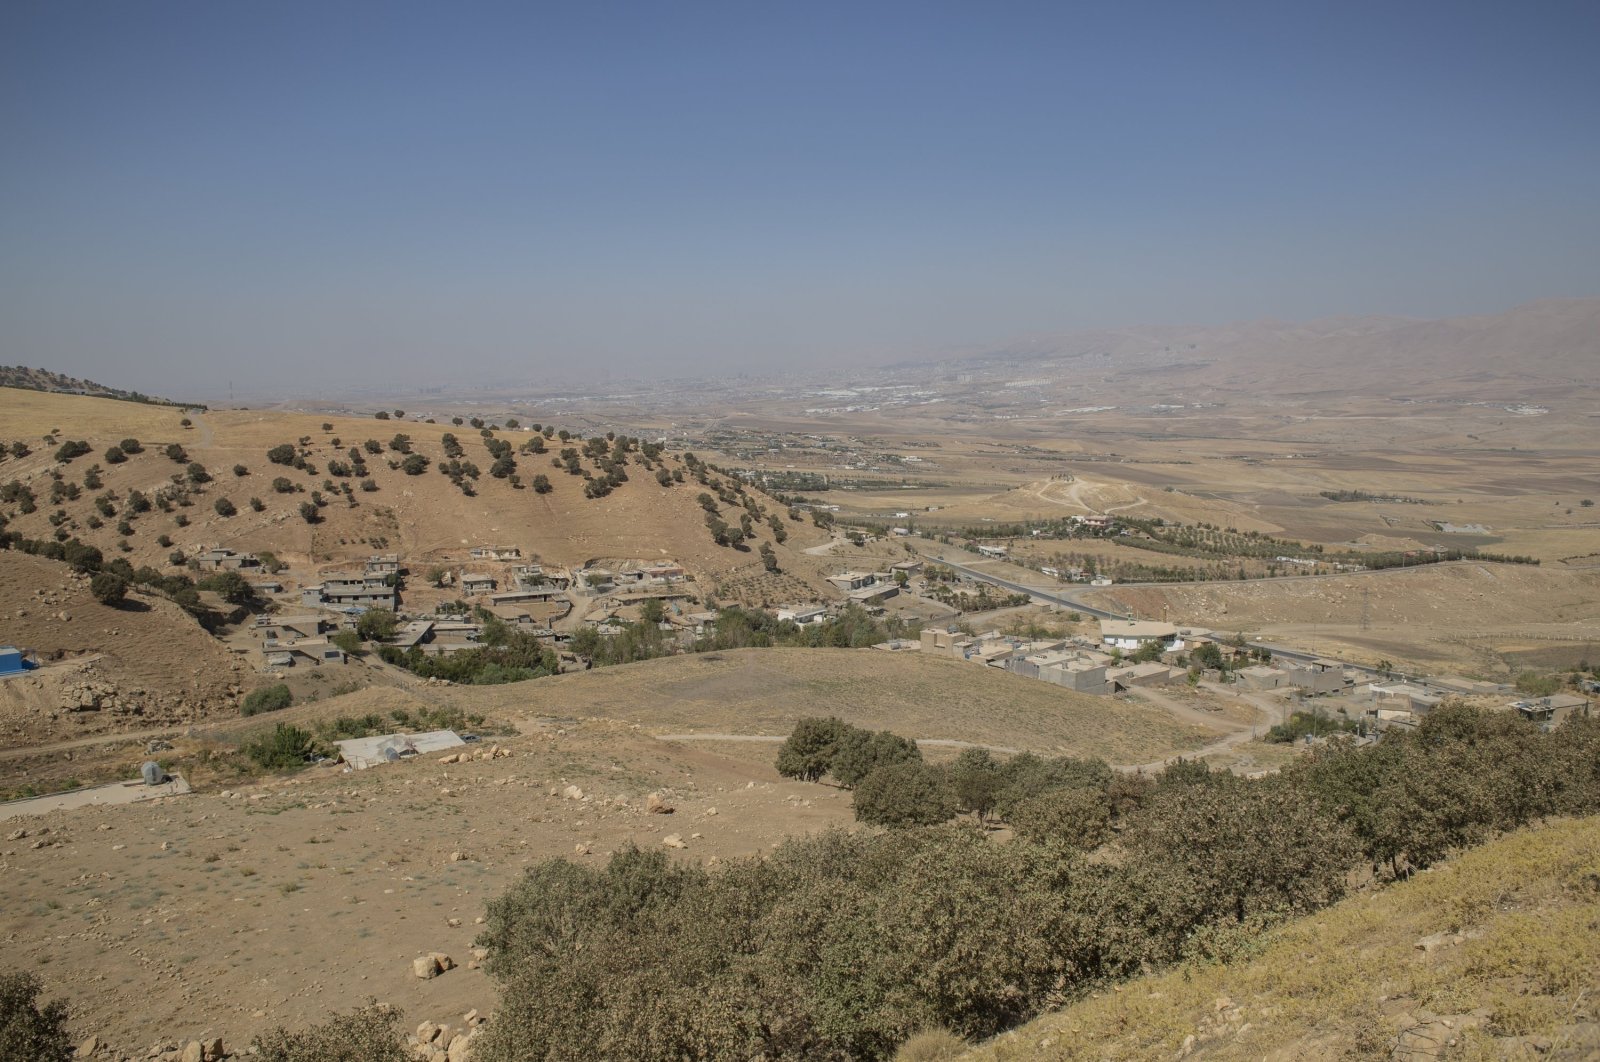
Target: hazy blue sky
299,193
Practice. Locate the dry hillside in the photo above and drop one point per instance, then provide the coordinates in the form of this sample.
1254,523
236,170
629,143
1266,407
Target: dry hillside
762,692
420,516
1494,955
145,664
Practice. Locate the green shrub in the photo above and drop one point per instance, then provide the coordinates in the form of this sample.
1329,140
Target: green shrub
370,1034
27,1030
909,793
108,589
267,699
287,746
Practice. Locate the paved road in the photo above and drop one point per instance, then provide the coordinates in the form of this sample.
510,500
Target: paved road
1066,600
113,793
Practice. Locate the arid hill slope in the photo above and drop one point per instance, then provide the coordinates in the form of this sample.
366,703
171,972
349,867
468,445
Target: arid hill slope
419,516
1492,955
145,664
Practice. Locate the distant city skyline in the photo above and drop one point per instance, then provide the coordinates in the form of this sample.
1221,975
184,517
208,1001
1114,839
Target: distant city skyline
300,196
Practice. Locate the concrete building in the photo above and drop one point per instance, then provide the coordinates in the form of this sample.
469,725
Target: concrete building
290,628
1124,678
803,615
848,581
225,560
476,583
383,564
875,594
1550,712
1262,677
496,553
367,591
1133,635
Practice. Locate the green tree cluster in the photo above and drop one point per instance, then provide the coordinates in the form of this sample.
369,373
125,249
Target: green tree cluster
844,945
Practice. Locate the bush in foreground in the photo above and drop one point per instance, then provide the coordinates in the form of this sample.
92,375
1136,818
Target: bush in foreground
267,699
27,1030
370,1034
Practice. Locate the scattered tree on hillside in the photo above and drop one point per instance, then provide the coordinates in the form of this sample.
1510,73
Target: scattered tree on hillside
377,625
909,793
108,589
808,752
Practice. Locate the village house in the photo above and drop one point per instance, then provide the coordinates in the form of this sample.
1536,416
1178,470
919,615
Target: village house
992,551
529,576
412,634
314,652
342,589
848,581
874,594
1550,712
383,564
290,628
220,559
1133,635
1126,678
496,553
1262,677
803,615
665,572
1081,673
476,583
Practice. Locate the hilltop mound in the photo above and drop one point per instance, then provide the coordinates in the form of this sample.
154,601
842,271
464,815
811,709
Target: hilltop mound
146,664
44,380
1492,955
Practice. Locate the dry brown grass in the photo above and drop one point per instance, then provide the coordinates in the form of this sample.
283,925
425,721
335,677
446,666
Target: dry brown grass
764,691
1353,982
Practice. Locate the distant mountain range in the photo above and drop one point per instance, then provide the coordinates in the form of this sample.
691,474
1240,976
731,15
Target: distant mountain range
1554,342
45,380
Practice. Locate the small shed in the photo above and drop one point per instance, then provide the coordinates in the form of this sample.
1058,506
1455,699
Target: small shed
11,661
362,753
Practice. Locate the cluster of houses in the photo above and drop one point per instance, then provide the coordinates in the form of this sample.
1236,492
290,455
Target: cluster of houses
874,588
1078,663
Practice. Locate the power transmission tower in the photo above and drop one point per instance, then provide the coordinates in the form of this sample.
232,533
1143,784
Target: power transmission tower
1366,608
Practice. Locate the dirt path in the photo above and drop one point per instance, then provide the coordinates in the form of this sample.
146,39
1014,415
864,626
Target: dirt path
87,742
1241,732
824,550
938,743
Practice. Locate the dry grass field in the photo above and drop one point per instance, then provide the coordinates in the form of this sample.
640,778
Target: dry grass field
764,691
221,914
1465,615
235,910
1492,955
